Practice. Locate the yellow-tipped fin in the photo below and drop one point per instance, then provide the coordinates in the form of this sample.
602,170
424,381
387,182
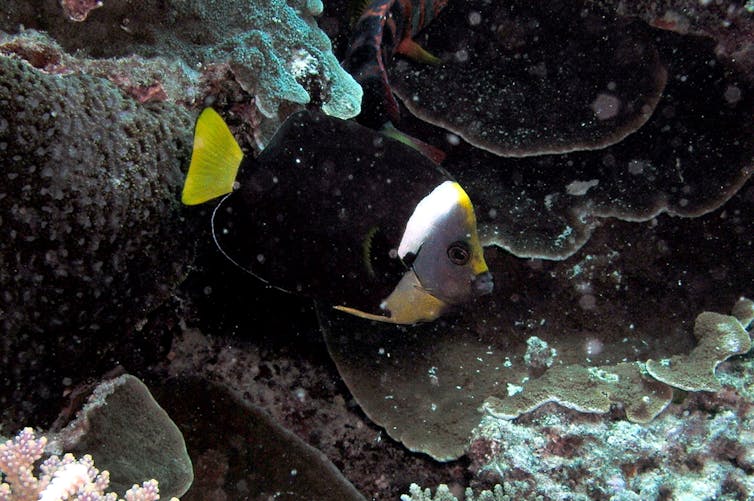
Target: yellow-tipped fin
214,161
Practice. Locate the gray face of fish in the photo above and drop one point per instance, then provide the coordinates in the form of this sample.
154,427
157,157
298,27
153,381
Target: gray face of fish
449,265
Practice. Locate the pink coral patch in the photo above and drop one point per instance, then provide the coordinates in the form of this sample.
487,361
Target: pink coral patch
78,10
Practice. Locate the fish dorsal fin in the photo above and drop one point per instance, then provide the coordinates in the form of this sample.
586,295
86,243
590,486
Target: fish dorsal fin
214,160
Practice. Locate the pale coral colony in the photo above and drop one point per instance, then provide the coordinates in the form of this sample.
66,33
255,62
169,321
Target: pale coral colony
607,146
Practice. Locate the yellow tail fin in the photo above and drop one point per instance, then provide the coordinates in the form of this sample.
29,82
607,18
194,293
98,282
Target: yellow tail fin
214,161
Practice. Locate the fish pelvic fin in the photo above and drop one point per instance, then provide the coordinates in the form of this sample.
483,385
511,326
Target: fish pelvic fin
214,160
409,303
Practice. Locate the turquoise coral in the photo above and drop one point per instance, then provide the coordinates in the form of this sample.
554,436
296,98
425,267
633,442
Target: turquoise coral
277,52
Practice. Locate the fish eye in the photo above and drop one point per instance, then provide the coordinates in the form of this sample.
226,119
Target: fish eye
459,253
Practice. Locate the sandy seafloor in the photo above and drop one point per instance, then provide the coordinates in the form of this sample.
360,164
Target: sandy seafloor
104,271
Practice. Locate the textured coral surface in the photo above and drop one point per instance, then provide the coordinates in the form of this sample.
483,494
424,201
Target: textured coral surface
93,231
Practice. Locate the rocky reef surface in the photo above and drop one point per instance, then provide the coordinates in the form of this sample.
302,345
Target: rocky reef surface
612,362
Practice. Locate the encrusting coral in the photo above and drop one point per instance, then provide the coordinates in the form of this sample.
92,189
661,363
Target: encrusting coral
719,338
589,389
638,387
730,25
112,91
700,448
556,85
683,147
125,431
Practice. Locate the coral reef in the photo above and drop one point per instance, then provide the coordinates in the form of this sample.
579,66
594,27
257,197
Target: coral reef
424,384
596,313
89,201
274,49
58,478
699,449
688,158
588,389
730,25
93,143
126,432
719,337
299,388
242,453
94,233
563,79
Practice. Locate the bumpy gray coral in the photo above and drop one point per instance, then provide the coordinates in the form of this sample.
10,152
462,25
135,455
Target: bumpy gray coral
93,230
89,202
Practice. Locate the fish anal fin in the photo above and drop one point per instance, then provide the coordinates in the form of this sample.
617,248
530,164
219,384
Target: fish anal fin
215,159
413,50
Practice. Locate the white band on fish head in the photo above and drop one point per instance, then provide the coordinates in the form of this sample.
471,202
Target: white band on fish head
431,211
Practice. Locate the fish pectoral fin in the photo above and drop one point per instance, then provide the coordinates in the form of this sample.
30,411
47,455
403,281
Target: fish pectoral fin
409,303
413,50
214,160
367,250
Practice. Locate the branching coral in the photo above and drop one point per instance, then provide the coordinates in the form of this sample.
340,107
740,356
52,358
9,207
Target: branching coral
443,493
60,479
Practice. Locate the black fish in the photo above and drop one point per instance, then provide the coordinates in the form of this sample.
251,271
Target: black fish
335,211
